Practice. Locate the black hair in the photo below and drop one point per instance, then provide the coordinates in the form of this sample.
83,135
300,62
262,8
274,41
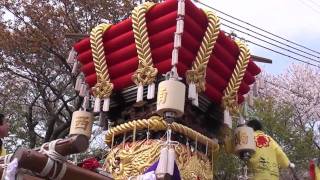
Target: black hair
255,124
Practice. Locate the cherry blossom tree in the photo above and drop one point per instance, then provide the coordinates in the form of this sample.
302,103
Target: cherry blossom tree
298,87
36,88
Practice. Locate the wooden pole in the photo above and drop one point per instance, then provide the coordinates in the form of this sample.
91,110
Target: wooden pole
76,35
261,59
29,177
35,161
71,145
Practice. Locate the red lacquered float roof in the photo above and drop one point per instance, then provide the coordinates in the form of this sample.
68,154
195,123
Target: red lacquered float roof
122,59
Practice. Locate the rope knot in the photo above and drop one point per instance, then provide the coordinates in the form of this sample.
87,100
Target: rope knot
145,75
102,89
196,76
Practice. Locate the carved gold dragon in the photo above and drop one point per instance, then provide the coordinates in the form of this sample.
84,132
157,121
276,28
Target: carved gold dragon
134,158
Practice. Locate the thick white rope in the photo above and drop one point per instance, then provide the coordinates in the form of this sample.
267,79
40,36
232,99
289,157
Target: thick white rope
54,159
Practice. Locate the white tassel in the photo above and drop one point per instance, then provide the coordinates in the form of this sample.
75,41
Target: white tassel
140,93
75,67
177,41
106,104
97,103
171,160
227,120
242,120
163,162
175,57
79,80
192,91
195,102
71,56
261,83
85,103
250,98
151,91
180,25
83,89
255,89
181,8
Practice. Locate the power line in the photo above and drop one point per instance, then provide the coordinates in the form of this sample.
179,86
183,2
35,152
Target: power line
310,6
283,54
314,2
270,43
259,45
269,38
258,28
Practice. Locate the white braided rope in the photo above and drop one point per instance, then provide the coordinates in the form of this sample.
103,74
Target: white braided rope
54,159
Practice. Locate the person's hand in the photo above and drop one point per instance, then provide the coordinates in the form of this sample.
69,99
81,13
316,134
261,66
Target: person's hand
292,166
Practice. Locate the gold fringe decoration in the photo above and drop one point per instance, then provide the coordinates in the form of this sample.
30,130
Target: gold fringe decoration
103,87
146,73
197,74
157,123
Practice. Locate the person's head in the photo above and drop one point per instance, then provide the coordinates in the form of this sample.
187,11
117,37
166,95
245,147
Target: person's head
4,126
255,125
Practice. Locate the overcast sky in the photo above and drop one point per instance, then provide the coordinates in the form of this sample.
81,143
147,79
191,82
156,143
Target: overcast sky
296,20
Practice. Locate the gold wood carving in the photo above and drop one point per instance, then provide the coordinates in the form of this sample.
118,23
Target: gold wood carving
146,73
133,159
230,94
157,123
103,87
197,167
197,73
